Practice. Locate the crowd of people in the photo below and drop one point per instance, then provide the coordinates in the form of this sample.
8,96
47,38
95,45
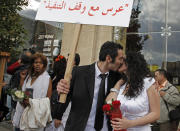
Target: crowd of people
146,98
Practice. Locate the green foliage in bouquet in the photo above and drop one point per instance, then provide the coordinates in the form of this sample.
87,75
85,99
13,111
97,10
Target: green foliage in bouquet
17,94
12,32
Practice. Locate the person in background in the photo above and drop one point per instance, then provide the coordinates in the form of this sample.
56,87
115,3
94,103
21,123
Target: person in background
60,67
168,95
76,59
58,71
66,113
16,82
3,108
38,81
24,59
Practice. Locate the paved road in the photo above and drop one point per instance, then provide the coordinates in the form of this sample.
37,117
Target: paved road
6,126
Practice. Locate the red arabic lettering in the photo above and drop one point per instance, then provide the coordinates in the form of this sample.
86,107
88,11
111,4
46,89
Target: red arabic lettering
77,7
83,10
126,5
107,11
120,9
55,6
93,9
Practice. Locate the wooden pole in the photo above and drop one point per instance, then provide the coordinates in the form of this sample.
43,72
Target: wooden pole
3,59
70,62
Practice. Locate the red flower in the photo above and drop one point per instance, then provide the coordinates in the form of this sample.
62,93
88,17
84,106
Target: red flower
116,104
57,59
106,108
61,57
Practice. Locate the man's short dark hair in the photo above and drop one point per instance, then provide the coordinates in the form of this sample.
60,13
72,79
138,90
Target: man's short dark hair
162,72
25,59
77,59
109,48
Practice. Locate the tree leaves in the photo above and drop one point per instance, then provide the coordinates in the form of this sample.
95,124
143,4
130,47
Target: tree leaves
12,32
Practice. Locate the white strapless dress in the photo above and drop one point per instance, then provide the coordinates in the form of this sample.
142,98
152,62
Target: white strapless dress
136,107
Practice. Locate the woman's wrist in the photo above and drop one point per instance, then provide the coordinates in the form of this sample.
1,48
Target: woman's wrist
115,90
119,84
132,123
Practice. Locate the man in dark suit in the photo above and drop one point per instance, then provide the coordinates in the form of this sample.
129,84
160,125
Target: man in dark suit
88,89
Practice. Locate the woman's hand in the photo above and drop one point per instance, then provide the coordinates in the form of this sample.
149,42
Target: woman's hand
119,124
25,103
57,123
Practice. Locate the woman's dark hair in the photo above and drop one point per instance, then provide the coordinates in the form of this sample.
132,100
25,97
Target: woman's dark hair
59,69
25,59
109,48
137,71
36,56
77,59
59,66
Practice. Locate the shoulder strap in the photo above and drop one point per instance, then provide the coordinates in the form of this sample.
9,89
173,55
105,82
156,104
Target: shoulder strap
168,88
165,101
166,105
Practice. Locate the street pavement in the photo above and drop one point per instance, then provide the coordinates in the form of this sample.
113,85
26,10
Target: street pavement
6,126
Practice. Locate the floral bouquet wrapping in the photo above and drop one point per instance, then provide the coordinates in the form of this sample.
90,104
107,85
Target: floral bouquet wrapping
113,110
18,95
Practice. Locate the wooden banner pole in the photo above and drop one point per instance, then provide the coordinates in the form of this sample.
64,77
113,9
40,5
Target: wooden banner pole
70,62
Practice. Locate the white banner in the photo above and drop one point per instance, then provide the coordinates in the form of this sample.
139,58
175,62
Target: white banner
96,12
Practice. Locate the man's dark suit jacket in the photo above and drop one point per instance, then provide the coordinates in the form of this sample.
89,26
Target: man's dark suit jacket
81,95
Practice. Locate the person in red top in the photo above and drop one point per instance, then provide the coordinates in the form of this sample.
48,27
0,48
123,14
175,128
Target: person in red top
23,60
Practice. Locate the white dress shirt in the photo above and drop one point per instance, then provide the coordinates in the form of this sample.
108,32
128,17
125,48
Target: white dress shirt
91,119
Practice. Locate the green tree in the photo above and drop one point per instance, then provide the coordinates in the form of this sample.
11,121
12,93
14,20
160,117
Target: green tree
135,42
12,32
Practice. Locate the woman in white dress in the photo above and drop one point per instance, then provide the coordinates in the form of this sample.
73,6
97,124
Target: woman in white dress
39,82
140,104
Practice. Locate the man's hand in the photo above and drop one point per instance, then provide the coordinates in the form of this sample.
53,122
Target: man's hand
19,61
162,93
57,123
63,87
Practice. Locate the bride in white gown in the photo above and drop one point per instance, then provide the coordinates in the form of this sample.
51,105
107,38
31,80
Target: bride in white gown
140,104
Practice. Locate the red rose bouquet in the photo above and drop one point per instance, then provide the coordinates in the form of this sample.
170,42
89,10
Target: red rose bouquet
113,110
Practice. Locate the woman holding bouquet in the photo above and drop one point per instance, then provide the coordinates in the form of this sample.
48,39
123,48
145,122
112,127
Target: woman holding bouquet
140,104
38,83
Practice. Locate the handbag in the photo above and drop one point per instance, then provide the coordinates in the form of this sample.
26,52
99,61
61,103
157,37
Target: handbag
155,127
174,115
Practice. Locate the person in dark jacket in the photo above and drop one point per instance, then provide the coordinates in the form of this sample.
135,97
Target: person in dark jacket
58,71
